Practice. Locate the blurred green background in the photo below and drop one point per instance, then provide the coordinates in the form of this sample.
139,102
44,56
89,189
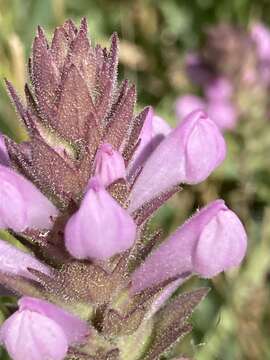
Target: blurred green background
234,321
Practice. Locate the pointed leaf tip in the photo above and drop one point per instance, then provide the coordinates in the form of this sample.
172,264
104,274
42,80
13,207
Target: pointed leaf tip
84,25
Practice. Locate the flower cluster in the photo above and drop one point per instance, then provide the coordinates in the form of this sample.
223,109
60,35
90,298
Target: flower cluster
78,195
241,61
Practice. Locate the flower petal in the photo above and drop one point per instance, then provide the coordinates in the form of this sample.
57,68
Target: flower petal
109,165
187,104
261,36
219,89
16,262
33,336
160,126
223,114
75,329
153,132
221,245
22,205
205,150
100,228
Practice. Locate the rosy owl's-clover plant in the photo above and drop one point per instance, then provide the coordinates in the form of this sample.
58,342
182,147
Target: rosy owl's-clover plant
79,194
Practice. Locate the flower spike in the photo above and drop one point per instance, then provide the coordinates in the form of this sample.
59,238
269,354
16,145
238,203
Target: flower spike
78,195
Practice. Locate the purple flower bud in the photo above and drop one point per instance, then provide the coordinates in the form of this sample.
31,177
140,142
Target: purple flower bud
16,262
223,114
187,155
4,158
261,36
219,89
22,205
187,104
212,241
109,165
100,228
40,330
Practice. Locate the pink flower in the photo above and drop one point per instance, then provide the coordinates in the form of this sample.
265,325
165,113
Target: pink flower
14,261
212,241
153,132
219,89
187,155
109,165
160,127
22,205
100,228
223,113
218,105
260,34
187,104
40,330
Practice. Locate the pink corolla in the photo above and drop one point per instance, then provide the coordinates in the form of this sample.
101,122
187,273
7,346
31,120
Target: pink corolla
39,330
14,261
160,126
109,165
100,228
186,104
219,88
217,103
187,155
260,34
154,129
22,205
212,241
224,113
